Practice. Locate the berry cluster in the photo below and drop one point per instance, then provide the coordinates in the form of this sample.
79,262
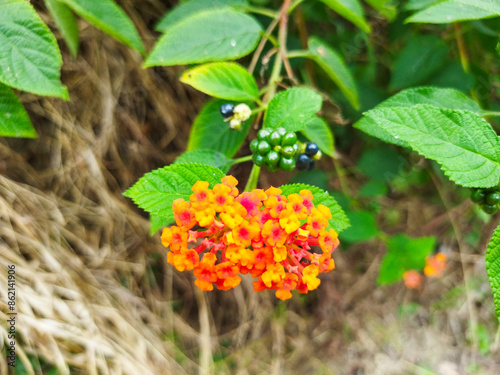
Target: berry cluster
235,114
275,149
307,159
487,199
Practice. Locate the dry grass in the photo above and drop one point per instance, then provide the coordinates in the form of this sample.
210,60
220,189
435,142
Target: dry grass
92,297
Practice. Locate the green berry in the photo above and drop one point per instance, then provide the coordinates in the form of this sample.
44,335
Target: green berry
281,131
489,209
274,138
254,146
262,134
263,148
287,164
272,168
288,151
289,139
272,158
258,160
492,198
477,196
296,149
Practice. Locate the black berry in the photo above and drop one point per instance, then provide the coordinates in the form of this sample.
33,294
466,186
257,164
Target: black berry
311,149
312,165
303,162
227,110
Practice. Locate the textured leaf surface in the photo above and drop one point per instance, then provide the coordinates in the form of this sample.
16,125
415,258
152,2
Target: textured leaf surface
223,80
66,23
318,131
14,121
448,11
292,108
404,254
209,131
493,268
110,18
156,190
351,10
29,56
339,220
192,7
417,61
462,142
334,65
362,227
212,35
438,97
208,157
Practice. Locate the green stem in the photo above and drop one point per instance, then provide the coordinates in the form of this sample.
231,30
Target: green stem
241,160
461,47
263,11
253,178
298,53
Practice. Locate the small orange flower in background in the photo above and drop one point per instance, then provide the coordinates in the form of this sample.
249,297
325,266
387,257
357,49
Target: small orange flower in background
412,279
435,265
260,232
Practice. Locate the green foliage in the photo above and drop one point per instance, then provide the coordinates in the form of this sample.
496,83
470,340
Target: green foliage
318,131
462,142
66,23
14,121
156,190
208,157
493,267
110,18
292,109
334,65
404,254
209,131
227,35
339,220
381,165
362,227
223,80
448,11
28,63
351,10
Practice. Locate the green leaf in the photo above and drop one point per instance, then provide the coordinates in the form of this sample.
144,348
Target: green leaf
493,268
212,35
449,11
351,10
417,61
208,157
373,189
14,121
339,220
110,18
418,4
292,108
438,97
381,164
404,254
156,190
30,58
157,223
66,23
462,142
318,131
334,65
192,7
209,131
225,80
362,227
385,7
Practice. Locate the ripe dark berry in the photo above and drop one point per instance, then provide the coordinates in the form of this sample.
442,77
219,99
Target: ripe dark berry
492,198
311,149
254,146
303,162
289,139
275,138
312,165
477,196
263,134
258,160
272,158
287,164
288,151
227,110
263,148
490,209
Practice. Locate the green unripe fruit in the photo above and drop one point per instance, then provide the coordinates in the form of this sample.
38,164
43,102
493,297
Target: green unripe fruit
263,147
254,146
274,138
490,209
272,158
258,160
477,196
262,134
289,139
296,149
272,168
281,131
492,198
288,151
287,164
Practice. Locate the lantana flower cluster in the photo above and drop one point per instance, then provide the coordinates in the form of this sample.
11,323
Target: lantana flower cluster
284,242
434,267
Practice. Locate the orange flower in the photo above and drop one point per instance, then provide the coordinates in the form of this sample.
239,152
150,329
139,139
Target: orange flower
412,279
435,265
